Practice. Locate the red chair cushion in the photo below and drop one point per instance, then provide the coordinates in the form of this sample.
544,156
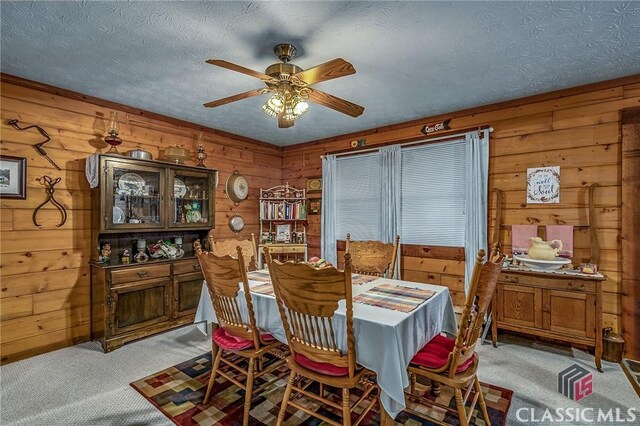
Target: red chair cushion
321,367
230,342
436,353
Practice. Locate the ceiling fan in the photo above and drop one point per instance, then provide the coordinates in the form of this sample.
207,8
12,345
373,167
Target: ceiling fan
289,85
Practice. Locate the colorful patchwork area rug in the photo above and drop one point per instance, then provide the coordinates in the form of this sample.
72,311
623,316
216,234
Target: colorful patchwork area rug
178,392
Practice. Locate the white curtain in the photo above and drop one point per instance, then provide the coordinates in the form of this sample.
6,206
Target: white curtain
476,187
390,199
328,213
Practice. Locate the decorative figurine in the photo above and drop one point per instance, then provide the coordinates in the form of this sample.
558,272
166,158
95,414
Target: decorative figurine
141,256
125,256
105,253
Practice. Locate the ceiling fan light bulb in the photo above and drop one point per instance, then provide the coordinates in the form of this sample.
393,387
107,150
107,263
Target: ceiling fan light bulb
300,108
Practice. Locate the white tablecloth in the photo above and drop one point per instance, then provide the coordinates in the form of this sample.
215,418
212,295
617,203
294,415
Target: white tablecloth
386,340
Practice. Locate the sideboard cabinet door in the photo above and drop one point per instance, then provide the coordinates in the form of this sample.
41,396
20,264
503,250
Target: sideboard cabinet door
520,305
569,312
139,305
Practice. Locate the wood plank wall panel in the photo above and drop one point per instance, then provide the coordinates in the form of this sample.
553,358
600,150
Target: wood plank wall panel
577,129
44,297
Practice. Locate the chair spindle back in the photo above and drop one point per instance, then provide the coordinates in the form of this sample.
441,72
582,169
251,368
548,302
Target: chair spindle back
482,288
224,275
228,248
307,299
373,257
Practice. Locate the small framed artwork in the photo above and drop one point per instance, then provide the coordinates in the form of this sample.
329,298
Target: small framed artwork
283,233
314,184
13,177
315,207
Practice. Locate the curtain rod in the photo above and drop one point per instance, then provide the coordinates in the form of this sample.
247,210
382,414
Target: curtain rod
421,140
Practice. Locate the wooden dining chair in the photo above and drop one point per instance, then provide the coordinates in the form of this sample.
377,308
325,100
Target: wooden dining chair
454,362
307,299
236,335
228,248
373,257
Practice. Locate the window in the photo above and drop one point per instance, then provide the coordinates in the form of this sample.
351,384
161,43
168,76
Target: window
358,197
433,194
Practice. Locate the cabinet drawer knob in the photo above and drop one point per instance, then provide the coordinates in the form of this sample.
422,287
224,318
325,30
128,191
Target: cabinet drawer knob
143,274
196,266
582,287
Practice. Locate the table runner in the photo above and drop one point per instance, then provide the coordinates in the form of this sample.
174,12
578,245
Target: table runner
265,288
394,297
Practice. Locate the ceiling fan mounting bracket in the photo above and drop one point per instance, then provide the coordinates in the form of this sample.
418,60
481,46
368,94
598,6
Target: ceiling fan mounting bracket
285,52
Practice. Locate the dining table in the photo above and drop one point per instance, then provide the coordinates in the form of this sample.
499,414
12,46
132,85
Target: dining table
388,331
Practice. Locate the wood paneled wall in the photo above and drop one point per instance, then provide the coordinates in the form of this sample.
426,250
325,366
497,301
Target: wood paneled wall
577,129
44,272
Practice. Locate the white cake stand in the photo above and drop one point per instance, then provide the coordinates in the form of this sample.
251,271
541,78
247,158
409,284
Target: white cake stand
542,265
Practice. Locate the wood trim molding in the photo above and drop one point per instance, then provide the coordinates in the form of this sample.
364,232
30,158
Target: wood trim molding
30,84
602,85
423,252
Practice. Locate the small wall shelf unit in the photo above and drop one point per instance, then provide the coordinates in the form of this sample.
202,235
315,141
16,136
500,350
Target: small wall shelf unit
283,222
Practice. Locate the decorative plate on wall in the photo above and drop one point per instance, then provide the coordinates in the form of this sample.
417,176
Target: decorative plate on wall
236,223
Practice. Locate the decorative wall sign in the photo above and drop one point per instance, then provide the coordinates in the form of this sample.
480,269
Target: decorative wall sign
543,185
13,177
427,129
314,184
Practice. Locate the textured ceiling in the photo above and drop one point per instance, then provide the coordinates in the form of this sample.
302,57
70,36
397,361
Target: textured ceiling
413,59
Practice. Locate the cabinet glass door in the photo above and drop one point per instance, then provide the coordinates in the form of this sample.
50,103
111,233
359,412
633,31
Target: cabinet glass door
192,199
134,196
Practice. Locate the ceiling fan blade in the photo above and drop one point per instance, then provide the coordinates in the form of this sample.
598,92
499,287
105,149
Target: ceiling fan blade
233,98
241,69
336,103
282,123
327,71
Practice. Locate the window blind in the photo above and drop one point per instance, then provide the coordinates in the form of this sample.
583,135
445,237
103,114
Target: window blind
433,194
358,197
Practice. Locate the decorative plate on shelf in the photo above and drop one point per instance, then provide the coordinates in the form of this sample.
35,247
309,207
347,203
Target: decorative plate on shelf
193,216
236,223
542,265
118,215
179,188
132,183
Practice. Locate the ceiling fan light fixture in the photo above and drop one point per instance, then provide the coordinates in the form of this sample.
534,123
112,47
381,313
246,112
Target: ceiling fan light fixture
269,111
300,107
276,102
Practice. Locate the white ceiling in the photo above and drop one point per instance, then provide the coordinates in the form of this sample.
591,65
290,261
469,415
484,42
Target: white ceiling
413,59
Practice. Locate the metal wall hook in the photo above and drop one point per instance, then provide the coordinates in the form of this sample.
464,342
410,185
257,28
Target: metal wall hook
38,147
50,190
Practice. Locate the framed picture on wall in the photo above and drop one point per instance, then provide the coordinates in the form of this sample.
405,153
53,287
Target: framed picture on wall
13,177
315,206
314,184
283,233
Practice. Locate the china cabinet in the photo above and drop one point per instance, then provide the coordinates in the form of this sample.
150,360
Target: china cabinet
283,221
146,215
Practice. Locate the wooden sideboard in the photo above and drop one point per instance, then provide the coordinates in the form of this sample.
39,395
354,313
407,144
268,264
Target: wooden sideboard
564,307
137,300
